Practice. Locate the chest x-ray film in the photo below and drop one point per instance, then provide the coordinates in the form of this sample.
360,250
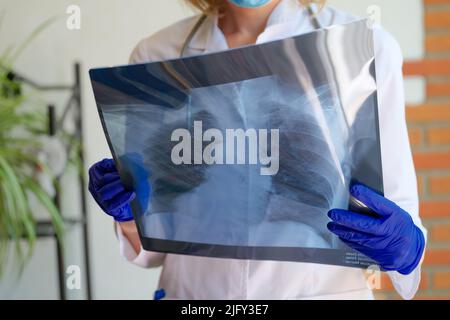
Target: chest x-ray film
240,154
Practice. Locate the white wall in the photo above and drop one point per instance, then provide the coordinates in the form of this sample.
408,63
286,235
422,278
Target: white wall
110,29
403,18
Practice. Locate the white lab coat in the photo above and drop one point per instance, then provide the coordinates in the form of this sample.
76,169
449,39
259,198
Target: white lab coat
191,277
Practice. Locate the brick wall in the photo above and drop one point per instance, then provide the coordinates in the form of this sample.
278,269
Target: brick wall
429,130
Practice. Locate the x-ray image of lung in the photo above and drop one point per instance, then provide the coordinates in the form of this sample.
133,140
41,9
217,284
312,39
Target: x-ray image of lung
240,154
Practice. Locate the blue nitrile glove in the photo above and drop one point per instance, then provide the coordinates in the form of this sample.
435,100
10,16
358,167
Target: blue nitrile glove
391,239
109,192
159,294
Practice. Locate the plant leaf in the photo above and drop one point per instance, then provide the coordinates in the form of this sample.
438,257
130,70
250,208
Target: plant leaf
48,203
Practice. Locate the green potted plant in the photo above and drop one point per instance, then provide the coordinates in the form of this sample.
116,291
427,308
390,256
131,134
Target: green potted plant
22,122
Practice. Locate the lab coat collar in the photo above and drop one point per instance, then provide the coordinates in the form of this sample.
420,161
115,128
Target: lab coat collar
285,11
209,37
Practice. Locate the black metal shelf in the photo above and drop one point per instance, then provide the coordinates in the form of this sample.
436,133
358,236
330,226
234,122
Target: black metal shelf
45,228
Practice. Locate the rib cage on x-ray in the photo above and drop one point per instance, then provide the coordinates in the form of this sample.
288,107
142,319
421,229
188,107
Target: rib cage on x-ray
321,97
304,189
308,183
168,180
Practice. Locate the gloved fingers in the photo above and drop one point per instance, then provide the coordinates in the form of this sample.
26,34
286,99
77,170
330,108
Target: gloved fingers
355,221
94,175
373,200
105,166
109,178
111,190
351,235
98,170
120,200
353,245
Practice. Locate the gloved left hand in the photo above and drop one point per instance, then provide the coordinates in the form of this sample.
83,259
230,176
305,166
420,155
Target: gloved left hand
391,239
108,191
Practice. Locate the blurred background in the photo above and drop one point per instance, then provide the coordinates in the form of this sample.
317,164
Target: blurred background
50,58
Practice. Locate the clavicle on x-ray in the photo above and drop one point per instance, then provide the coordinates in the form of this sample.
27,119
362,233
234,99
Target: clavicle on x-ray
241,153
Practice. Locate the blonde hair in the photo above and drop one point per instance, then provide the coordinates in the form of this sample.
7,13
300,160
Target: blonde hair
207,6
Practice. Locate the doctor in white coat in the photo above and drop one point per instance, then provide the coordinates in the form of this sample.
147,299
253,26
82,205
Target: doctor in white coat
234,23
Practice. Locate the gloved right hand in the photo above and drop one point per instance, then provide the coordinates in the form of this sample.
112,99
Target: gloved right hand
109,192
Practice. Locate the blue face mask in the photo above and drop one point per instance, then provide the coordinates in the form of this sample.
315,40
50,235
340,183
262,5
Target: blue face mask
249,3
